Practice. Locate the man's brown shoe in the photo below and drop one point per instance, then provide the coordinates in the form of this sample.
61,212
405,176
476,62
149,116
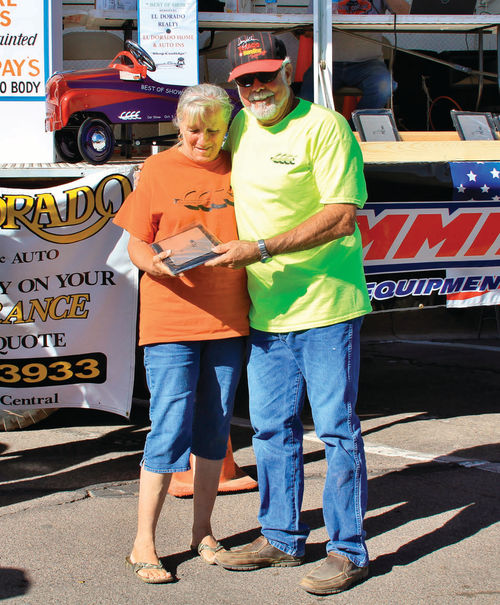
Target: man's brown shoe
256,555
335,574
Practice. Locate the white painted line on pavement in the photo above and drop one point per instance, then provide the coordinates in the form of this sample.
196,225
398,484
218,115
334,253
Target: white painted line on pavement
394,452
383,450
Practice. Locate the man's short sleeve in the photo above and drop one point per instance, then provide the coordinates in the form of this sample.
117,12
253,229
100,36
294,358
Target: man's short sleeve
337,163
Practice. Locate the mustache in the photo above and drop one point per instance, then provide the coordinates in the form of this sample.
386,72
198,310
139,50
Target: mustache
259,96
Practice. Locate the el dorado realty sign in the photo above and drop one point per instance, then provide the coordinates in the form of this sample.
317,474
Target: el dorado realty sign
168,31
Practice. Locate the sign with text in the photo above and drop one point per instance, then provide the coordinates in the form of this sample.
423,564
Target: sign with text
112,5
23,66
483,290
431,253
30,48
68,296
168,31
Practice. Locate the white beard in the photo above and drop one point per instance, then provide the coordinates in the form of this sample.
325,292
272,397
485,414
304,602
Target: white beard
267,111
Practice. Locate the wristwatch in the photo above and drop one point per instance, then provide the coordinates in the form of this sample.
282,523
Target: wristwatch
264,253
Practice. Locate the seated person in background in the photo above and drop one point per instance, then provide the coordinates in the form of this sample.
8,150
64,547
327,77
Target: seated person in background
358,62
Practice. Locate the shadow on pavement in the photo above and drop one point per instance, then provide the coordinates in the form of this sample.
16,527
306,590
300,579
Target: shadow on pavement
421,491
428,489
13,582
40,471
418,491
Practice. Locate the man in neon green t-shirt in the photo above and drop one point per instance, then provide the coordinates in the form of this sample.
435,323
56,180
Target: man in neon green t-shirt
298,179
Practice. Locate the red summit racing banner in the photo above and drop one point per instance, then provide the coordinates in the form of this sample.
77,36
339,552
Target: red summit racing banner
429,253
68,296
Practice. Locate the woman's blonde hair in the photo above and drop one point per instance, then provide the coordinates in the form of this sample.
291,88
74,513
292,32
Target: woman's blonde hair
197,101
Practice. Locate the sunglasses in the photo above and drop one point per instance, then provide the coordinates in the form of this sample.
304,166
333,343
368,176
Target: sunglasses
264,77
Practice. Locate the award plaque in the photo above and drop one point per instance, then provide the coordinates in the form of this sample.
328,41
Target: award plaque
375,125
474,125
188,248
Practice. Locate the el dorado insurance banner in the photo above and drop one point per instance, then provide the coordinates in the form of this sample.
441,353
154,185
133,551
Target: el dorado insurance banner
68,296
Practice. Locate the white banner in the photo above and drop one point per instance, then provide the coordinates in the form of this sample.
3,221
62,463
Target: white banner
68,296
479,287
168,31
410,236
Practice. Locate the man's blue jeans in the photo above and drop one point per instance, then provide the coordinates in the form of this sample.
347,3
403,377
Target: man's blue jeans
372,77
324,362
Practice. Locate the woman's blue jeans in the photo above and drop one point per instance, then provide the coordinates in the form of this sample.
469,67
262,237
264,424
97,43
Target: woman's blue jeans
192,386
324,362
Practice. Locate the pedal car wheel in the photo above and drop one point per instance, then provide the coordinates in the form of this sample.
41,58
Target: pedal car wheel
95,141
140,54
67,145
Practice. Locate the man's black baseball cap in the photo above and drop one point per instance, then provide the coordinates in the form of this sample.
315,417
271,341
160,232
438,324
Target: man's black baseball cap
250,53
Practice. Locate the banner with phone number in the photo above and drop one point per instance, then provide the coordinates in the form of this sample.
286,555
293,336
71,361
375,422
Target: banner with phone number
68,296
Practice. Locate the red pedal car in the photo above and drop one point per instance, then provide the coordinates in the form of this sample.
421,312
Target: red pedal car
82,105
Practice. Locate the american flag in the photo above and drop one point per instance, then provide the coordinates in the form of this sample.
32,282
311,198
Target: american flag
475,181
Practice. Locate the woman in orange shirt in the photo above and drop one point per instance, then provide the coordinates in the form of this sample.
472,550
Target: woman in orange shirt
192,325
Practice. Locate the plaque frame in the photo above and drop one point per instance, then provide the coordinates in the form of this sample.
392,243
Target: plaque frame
466,121
189,247
375,125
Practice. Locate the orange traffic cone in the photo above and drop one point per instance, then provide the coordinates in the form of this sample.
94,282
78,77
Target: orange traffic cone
232,478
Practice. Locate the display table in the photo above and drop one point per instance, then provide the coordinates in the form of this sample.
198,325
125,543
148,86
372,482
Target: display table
429,147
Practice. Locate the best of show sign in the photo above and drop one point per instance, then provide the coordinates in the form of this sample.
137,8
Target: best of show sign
68,296
168,31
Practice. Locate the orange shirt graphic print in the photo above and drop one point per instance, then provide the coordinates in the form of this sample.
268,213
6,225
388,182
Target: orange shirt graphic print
206,200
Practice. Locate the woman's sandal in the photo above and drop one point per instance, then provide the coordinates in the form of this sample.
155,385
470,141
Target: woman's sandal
208,549
136,568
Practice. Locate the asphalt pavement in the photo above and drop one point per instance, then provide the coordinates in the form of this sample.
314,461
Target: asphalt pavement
429,410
